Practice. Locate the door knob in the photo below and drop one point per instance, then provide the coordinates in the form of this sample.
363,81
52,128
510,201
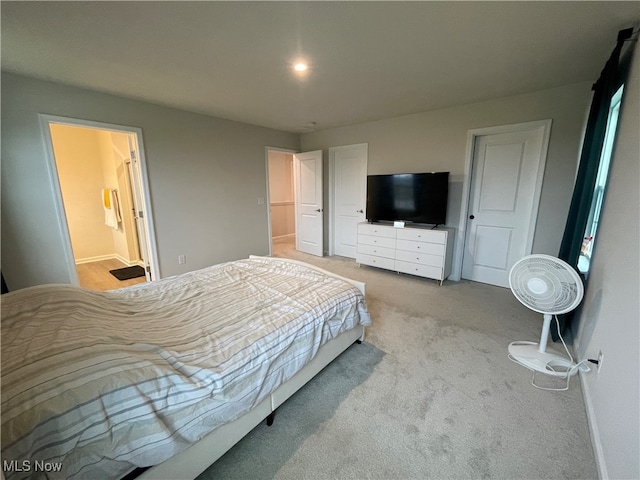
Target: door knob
471,217
318,209
359,211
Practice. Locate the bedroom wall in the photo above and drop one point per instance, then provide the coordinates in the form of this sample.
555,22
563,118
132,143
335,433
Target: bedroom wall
608,320
437,141
206,175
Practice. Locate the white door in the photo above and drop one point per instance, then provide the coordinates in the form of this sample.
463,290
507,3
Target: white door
309,209
505,188
138,205
349,196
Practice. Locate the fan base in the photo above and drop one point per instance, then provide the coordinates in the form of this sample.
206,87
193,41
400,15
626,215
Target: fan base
528,355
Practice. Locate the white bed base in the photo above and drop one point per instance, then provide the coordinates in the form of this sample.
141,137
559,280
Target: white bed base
191,462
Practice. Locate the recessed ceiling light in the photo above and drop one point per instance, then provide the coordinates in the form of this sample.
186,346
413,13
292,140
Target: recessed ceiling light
300,67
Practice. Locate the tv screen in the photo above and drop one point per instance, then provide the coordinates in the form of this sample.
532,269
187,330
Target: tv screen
410,197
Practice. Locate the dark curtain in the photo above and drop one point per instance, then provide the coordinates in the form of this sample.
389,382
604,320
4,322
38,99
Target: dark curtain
611,78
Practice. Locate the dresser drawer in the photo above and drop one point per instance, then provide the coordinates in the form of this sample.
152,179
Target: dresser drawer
376,241
420,270
388,263
376,230
421,258
422,235
420,247
376,250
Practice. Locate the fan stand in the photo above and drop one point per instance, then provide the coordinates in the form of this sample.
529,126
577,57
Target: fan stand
535,356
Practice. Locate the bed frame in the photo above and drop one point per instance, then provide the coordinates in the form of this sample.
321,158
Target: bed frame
191,462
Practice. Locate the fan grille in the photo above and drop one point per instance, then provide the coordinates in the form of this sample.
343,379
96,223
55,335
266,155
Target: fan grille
546,284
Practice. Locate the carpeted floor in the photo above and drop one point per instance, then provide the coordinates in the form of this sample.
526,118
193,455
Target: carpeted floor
430,394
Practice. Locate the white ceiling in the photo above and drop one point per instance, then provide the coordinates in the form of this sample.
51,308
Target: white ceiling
368,60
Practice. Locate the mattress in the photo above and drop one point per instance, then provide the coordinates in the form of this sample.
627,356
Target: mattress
95,384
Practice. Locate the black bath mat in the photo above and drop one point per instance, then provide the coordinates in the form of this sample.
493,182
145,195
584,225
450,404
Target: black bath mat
128,272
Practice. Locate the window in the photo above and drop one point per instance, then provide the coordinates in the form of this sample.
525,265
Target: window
601,184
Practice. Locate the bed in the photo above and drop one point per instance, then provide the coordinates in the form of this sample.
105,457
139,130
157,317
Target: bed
167,375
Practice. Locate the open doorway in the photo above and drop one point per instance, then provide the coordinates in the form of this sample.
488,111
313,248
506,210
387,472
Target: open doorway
281,199
295,199
102,201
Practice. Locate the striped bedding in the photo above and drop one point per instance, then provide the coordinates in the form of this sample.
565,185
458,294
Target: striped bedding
97,383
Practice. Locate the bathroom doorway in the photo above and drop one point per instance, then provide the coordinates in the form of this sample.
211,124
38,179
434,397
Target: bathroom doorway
102,195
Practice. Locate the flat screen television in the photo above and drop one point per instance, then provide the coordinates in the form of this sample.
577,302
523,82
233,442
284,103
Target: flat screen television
409,197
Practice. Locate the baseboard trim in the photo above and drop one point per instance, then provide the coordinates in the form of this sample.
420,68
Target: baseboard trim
112,256
97,258
128,262
280,237
593,427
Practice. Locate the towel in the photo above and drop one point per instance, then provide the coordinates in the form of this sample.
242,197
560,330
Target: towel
111,208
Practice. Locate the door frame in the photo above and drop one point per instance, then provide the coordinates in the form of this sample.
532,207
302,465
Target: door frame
332,189
45,120
268,197
468,175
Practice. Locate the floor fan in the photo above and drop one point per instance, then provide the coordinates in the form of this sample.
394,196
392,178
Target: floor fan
550,286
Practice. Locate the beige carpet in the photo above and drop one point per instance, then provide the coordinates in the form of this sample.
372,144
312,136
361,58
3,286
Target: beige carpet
430,394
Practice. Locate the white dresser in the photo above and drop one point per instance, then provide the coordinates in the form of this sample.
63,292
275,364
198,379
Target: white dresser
418,251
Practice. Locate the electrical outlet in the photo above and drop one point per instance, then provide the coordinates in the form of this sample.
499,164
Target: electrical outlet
182,259
600,358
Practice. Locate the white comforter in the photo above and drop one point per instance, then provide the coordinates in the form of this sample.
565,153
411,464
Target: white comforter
97,383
